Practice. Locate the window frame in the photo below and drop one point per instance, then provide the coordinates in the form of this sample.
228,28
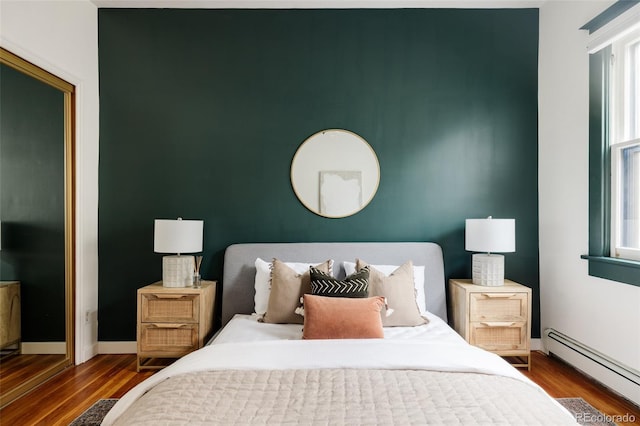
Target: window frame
617,249
620,129
622,135
601,264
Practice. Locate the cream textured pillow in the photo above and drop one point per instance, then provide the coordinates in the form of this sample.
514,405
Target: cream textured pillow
399,290
262,283
342,317
287,287
418,279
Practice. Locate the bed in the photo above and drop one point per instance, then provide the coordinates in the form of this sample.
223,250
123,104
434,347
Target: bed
258,370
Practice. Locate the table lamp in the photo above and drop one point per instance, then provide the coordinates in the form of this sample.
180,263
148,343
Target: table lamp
177,236
489,236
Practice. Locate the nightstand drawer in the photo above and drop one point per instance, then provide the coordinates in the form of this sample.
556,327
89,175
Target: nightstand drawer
496,319
499,336
173,321
176,339
498,306
168,307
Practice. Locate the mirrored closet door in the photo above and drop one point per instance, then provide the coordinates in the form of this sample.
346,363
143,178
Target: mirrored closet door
36,225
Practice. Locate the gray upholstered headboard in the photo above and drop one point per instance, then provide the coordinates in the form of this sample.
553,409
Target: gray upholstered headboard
239,270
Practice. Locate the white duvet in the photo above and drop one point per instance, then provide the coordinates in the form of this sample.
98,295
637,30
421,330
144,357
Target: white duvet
246,328
255,347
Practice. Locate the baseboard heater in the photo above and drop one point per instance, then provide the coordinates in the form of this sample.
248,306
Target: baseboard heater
620,369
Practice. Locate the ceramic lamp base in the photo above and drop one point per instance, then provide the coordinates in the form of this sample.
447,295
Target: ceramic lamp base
177,271
487,269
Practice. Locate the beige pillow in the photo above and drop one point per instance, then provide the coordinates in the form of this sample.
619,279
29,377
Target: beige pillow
287,287
399,290
342,317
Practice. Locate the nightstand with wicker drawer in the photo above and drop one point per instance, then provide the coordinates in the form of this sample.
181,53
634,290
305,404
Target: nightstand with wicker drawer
173,322
497,319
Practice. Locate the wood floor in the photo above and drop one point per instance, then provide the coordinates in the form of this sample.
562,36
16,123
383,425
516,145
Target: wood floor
560,380
66,396
18,369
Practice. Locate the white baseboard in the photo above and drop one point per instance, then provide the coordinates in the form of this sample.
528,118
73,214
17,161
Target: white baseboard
117,347
536,345
89,352
43,348
595,370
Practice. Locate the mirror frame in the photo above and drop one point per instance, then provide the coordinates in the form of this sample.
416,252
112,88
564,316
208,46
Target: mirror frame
9,59
305,202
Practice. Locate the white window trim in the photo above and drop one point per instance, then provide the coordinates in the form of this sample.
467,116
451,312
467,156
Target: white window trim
612,31
616,249
617,92
627,253
619,138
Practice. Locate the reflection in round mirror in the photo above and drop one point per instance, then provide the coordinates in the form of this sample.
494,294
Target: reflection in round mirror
335,173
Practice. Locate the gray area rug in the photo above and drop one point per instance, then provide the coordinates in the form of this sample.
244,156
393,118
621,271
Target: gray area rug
584,413
93,415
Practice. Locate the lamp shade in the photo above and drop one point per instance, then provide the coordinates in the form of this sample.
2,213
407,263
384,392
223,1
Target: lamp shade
490,235
177,236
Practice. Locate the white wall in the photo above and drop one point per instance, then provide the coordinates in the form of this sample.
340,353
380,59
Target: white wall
62,37
602,314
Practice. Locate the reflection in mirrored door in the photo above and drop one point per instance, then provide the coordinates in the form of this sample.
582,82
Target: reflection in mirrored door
36,225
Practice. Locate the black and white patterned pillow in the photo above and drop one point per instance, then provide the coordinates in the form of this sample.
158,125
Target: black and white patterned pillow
355,285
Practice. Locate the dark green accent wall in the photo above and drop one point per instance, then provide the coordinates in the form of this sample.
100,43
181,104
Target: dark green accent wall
32,201
201,112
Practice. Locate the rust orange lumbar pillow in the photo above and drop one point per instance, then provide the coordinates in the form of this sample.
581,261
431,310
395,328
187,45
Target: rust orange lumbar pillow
342,317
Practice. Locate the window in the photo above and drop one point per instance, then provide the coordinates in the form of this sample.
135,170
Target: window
624,141
614,143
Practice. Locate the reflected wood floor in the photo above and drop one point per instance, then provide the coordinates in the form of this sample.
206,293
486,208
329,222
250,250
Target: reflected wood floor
16,369
67,395
64,397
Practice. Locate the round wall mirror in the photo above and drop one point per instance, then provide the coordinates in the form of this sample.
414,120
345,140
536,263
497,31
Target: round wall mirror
335,173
